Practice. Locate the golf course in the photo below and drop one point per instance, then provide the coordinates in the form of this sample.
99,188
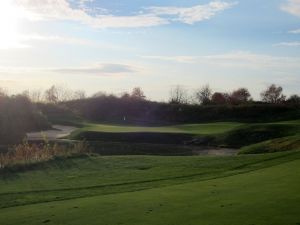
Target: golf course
138,112
252,189
257,188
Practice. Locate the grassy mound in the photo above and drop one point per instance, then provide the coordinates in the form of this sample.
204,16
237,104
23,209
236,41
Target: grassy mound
275,145
251,134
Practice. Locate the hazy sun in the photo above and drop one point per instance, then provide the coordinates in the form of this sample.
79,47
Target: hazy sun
10,16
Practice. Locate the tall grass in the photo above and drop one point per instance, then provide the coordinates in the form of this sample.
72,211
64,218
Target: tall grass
27,153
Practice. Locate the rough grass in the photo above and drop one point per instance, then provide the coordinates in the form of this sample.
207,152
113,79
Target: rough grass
254,189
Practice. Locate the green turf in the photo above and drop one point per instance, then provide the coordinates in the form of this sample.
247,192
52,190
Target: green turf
289,141
228,134
201,128
274,145
205,128
255,189
261,189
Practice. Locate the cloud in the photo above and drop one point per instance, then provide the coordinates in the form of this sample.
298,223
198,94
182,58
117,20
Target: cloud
239,59
177,59
62,10
248,60
99,70
151,16
294,31
288,44
252,60
67,41
191,15
292,7
14,44
4,82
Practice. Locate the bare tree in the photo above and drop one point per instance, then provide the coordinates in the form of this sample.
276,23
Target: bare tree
273,94
51,95
3,92
34,96
138,93
64,93
79,94
203,95
178,95
59,93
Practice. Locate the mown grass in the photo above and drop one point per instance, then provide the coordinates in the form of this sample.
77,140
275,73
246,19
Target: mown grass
255,189
205,128
94,175
200,129
231,135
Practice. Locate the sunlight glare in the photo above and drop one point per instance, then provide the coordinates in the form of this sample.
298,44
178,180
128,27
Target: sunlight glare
10,16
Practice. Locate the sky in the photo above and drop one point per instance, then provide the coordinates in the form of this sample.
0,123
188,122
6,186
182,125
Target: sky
114,46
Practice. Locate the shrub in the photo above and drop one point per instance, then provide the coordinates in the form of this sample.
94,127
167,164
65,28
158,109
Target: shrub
18,116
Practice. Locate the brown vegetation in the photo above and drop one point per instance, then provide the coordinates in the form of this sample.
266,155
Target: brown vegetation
26,153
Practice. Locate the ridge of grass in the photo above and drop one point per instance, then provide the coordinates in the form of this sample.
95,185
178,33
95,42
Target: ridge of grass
275,145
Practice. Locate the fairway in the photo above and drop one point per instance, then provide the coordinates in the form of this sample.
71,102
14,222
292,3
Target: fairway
264,196
259,189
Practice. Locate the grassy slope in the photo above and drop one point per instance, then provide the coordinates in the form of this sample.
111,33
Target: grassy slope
285,143
263,196
274,145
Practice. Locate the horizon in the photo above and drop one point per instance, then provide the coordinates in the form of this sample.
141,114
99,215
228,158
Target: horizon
94,45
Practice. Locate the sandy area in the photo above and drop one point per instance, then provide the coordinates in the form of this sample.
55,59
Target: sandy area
217,151
58,131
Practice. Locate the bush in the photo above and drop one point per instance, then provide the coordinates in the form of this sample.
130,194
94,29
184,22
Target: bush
18,116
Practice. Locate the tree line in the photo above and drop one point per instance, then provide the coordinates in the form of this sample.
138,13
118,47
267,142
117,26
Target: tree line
205,96
31,111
